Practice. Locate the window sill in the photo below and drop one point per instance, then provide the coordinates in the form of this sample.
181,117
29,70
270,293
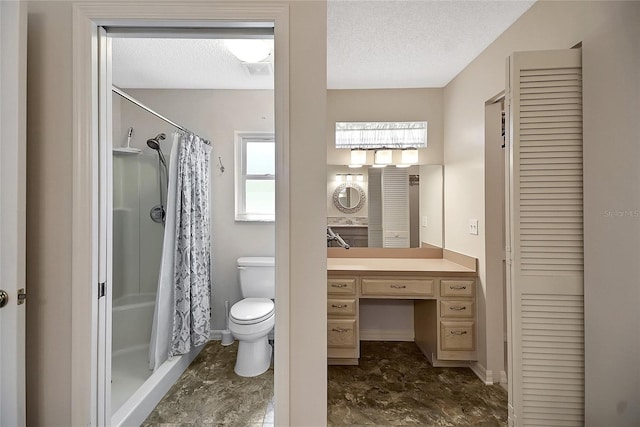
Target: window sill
255,218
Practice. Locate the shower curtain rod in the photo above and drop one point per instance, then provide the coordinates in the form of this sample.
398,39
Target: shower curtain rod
131,99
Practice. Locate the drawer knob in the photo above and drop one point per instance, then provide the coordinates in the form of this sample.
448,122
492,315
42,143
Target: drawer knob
458,332
339,285
459,287
398,286
339,305
458,307
341,330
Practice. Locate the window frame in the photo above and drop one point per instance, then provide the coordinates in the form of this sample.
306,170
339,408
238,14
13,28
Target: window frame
241,177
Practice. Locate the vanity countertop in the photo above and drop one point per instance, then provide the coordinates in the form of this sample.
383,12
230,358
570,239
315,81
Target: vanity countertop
398,265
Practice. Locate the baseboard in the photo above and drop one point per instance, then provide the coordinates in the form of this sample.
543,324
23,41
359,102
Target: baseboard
216,334
504,381
485,375
387,335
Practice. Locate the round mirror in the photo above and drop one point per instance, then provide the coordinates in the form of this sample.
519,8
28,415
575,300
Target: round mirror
349,198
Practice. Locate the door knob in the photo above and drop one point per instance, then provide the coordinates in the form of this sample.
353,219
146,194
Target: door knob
4,298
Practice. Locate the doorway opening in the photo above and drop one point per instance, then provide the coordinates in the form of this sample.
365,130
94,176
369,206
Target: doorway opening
204,94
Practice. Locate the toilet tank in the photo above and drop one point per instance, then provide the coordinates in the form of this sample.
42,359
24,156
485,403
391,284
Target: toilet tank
257,277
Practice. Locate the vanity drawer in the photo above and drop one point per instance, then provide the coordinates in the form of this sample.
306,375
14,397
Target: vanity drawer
457,308
342,333
457,288
343,286
346,307
456,335
397,287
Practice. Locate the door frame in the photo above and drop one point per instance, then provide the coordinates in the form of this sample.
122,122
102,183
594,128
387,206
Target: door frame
13,149
87,17
495,299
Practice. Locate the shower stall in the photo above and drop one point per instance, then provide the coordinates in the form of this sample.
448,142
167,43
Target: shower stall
141,154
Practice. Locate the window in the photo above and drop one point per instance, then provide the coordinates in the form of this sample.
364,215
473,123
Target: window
255,176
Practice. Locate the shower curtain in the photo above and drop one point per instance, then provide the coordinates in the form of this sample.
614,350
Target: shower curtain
182,312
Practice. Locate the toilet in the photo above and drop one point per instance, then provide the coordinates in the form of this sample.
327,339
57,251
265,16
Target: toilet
251,319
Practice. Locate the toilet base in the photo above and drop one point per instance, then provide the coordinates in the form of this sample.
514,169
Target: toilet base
253,358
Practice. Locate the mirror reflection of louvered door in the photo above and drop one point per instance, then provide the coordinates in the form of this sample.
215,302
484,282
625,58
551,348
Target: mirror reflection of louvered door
395,208
545,244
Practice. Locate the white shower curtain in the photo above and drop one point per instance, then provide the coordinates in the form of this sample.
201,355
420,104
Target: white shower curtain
182,312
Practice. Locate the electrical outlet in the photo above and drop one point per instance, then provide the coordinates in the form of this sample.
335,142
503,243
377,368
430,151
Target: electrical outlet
473,227
423,222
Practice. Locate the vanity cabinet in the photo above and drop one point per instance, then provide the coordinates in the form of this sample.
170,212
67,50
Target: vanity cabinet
343,338
444,309
456,317
397,288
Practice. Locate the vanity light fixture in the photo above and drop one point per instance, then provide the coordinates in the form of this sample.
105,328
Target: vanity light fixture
349,177
358,158
410,156
383,157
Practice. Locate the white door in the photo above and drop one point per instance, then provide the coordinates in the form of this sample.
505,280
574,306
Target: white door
545,238
13,25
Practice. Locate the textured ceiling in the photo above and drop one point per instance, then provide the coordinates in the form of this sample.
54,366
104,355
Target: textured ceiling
180,64
396,44
370,44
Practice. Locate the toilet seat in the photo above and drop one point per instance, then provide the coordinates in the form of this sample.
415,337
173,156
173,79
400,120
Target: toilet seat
252,310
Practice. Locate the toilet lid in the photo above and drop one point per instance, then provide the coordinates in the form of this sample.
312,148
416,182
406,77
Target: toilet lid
252,310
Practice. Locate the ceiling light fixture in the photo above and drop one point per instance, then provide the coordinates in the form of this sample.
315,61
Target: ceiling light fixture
249,50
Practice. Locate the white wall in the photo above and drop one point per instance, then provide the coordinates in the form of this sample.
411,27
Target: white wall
431,199
609,33
214,115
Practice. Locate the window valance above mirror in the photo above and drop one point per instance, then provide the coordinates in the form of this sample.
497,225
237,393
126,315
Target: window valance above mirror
374,135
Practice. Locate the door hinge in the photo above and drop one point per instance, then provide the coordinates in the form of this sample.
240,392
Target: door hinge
102,289
22,296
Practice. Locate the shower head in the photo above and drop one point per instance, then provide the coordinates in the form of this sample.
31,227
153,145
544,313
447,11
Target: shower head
154,143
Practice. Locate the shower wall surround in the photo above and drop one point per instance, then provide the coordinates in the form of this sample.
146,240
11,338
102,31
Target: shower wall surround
215,115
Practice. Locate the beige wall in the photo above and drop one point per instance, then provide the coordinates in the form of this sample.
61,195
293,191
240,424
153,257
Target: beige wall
609,32
49,176
215,115
49,168
386,105
308,110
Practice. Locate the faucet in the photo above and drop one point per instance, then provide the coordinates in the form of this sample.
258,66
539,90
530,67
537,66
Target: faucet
332,236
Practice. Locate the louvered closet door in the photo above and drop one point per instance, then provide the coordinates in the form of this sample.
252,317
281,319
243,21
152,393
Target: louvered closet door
546,237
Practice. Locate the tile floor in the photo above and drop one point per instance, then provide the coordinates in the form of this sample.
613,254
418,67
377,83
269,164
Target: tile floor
393,385
209,393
